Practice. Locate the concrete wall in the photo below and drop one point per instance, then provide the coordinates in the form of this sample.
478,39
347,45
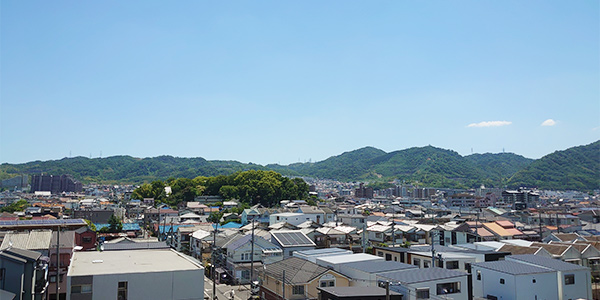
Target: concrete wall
158,285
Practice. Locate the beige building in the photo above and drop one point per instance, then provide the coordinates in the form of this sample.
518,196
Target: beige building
302,278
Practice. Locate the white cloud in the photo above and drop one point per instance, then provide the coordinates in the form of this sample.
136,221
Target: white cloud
549,122
490,124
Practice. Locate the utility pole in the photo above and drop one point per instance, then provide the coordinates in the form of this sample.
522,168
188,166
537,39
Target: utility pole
432,243
283,286
540,223
393,223
252,256
213,262
387,290
57,261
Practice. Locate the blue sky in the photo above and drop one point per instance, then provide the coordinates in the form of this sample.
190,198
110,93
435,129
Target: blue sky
288,81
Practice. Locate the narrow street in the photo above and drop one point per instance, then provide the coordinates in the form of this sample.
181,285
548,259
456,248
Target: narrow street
241,292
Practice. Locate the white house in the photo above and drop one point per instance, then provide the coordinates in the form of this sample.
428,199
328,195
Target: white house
428,283
291,218
573,281
531,277
239,256
133,275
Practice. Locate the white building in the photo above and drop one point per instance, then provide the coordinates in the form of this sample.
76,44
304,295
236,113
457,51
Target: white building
135,274
434,283
531,277
291,218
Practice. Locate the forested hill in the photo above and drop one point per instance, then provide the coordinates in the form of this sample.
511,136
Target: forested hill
574,168
127,169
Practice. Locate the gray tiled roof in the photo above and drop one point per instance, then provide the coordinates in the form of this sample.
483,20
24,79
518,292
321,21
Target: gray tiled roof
356,291
379,266
512,267
422,275
297,270
550,263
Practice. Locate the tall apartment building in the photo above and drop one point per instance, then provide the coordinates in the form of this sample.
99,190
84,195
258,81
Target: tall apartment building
55,184
527,197
363,192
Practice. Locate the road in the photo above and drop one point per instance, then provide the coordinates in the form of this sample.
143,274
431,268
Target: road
241,292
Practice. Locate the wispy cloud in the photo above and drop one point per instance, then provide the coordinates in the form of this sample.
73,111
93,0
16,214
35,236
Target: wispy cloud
549,122
490,124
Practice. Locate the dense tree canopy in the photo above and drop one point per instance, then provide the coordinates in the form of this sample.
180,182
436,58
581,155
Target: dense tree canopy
252,187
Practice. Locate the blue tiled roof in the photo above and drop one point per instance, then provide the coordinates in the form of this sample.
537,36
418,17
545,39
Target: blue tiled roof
164,229
126,226
230,225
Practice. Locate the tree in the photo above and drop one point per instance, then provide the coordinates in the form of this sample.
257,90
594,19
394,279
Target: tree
215,217
15,206
114,224
90,224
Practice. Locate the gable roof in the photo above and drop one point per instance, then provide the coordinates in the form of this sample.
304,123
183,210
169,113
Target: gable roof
512,267
422,275
546,262
297,270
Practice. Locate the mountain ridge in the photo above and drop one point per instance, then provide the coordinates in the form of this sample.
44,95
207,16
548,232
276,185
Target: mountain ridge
427,165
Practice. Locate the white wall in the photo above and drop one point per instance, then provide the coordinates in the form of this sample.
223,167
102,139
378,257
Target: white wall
432,285
177,285
514,287
582,288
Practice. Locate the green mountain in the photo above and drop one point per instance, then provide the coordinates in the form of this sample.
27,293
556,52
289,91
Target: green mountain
502,165
348,166
127,169
576,168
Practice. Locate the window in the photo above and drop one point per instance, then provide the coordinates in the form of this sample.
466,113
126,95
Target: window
327,280
87,239
379,253
478,275
569,279
448,288
417,262
81,289
426,264
501,280
423,293
298,290
122,291
246,274
388,257
52,278
452,265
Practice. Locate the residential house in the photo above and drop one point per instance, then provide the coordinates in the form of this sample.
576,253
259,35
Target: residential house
24,274
434,283
295,278
137,274
315,213
239,256
364,273
292,218
291,240
357,293
531,277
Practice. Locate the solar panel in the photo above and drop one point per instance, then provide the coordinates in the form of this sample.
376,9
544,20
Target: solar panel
293,238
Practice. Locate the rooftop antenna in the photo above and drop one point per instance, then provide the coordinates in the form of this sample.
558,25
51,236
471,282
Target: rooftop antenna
70,154
471,150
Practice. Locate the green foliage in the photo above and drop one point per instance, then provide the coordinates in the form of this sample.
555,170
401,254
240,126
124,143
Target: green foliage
20,205
251,187
214,217
90,225
576,168
114,225
311,202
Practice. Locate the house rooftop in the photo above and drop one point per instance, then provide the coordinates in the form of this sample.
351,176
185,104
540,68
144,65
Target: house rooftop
356,291
512,267
89,263
379,266
545,262
422,275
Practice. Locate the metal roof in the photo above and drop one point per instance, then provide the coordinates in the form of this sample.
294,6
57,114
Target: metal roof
379,266
512,267
550,263
356,291
422,275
